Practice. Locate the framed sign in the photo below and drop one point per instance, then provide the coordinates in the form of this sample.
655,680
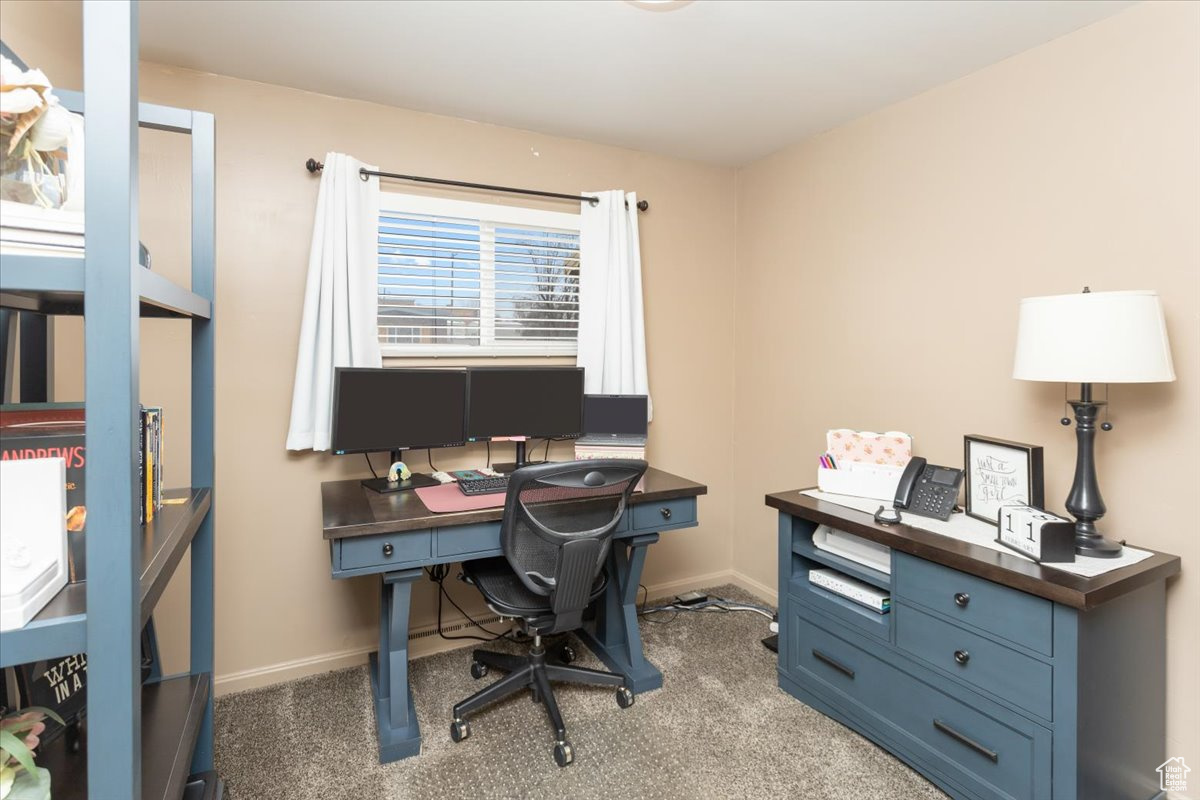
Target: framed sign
1001,473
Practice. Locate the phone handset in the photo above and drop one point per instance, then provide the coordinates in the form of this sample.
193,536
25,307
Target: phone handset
908,482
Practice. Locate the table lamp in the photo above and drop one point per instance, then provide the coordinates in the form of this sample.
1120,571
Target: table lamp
1089,338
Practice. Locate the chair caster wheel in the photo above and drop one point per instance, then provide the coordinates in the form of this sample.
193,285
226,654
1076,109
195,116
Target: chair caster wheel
563,754
567,654
460,729
624,697
478,670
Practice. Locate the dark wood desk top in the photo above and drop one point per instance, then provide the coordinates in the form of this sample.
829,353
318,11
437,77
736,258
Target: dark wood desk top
1027,576
350,510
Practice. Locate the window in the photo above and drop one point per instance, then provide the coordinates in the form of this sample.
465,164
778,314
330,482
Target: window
459,278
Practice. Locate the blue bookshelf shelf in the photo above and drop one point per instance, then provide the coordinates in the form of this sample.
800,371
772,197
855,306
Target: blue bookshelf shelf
54,285
60,629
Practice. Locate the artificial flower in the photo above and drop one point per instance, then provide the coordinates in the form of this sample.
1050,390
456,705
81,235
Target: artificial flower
20,100
52,129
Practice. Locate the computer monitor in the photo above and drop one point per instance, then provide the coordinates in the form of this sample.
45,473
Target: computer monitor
398,409
614,414
541,402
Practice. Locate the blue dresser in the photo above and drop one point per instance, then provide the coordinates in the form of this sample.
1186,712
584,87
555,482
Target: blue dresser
992,676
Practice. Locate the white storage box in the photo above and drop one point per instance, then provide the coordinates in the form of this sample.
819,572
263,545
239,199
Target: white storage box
877,481
33,537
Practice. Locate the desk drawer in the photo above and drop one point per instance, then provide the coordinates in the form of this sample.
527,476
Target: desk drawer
1012,676
386,548
479,538
664,515
989,607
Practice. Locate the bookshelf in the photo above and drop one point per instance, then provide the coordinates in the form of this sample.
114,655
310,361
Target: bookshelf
143,739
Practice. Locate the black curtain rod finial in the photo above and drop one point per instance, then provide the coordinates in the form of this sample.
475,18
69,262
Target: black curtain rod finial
314,166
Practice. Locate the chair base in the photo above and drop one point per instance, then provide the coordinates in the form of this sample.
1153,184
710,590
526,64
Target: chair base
535,673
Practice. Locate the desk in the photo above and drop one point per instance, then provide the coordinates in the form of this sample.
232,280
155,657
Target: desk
394,535
994,677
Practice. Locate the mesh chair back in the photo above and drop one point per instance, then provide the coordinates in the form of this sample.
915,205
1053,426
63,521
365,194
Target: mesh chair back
558,525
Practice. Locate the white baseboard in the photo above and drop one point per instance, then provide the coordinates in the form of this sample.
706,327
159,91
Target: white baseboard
761,590
421,643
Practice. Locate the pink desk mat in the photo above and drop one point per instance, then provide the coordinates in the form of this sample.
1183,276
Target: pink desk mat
447,498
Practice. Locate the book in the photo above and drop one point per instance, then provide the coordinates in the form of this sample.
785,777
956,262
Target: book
24,215
46,430
590,451
25,249
36,237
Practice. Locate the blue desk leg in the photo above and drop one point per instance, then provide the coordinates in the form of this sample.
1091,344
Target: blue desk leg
395,715
614,636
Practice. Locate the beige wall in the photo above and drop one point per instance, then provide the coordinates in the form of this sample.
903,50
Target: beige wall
881,264
276,603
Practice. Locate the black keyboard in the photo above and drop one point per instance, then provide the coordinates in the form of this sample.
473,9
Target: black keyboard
474,486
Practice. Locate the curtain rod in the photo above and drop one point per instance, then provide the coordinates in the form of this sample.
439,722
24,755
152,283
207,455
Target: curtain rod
314,166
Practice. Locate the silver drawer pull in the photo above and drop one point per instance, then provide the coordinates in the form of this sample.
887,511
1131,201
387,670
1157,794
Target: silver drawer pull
990,755
962,657
666,513
842,668
388,549
961,599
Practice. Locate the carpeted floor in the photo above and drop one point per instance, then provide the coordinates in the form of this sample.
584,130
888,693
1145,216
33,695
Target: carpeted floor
719,728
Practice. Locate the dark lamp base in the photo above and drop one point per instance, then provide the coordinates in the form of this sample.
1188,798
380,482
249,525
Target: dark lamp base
1096,546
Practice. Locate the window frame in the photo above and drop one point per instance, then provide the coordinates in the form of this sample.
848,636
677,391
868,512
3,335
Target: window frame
401,202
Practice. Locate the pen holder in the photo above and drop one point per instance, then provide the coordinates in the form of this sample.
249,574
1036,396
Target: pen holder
875,482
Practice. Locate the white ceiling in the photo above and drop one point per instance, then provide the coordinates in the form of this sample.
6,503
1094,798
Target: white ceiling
722,81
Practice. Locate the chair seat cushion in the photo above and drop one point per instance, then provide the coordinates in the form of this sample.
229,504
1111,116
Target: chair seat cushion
502,589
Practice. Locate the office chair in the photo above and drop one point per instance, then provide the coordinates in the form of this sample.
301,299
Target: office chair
556,532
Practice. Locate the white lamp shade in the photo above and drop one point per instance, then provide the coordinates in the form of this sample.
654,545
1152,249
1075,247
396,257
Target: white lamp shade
1093,337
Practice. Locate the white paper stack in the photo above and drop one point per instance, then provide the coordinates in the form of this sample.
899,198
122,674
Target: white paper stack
33,537
853,548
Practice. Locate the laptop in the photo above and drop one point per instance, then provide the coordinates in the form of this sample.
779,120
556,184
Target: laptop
614,419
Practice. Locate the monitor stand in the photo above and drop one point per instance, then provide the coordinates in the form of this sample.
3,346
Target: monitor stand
508,468
415,481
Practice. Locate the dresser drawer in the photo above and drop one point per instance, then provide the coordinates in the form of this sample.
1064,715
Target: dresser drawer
664,515
386,548
993,754
462,539
990,753
845,668
1012,676
989,607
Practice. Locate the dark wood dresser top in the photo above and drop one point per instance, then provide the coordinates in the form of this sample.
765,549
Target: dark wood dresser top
1007,570
348,509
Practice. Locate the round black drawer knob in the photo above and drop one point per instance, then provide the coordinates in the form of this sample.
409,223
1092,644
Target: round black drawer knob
388,549
962,657
666,512
961,599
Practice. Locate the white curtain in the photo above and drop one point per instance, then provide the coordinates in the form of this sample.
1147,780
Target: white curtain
338,328
612,333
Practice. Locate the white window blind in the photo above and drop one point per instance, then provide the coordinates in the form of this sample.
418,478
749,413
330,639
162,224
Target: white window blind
460,278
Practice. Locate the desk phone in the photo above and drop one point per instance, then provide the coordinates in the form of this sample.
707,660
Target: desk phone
928,490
